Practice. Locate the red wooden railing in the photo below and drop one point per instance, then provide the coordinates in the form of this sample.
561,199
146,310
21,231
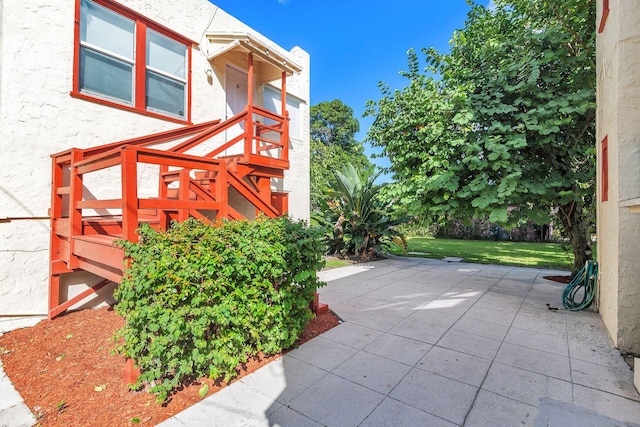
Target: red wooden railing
193,177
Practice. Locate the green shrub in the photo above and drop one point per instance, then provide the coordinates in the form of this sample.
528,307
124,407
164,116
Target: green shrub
418,227
200,299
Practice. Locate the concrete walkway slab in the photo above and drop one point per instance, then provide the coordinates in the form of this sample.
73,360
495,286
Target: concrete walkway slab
426,342
13,411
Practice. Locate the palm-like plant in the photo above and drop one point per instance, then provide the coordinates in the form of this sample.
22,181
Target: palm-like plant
358,223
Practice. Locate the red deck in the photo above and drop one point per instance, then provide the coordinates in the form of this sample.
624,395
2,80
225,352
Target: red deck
213,170
83,227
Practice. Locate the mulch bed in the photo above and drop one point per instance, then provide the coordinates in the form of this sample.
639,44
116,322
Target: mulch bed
559,279
67,374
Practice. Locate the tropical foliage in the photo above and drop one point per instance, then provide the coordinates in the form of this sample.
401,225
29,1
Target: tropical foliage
333,144
357,221
325,161
506,119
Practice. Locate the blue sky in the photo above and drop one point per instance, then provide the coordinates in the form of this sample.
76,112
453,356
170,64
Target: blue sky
353,45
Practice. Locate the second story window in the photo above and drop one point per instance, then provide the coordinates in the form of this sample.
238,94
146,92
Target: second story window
107,61
165,74
124,60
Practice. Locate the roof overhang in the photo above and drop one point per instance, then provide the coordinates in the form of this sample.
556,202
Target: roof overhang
269,60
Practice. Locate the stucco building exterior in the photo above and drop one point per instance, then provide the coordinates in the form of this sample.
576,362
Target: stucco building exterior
618,177
169,65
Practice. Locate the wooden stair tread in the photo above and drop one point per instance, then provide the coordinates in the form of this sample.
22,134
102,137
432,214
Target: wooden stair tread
117,218
102,239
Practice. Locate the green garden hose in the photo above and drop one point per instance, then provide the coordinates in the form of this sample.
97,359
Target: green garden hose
581,290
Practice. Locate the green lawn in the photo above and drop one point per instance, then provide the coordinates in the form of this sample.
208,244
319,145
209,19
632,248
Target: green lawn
335,263
544,255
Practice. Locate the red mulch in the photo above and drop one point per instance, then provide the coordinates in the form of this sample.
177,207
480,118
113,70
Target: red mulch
67,375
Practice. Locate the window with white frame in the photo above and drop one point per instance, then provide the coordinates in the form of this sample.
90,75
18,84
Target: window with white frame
128,61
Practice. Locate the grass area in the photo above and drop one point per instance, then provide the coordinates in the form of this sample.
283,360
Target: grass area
527,254
335,263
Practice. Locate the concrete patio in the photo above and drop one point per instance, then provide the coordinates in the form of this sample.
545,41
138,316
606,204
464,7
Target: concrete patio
431,343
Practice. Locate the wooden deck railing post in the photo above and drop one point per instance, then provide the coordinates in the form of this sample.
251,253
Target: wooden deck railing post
249,129
75,212
54,243
183,194
57,173
222,191
163,194
129,193
284,136
264,187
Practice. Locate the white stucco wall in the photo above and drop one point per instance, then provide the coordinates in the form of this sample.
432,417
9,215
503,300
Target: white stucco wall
38,117
618,97
297,179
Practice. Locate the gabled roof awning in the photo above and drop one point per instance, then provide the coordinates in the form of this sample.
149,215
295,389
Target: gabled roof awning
271,62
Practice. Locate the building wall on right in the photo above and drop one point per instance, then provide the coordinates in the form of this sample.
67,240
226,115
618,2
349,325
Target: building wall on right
618,175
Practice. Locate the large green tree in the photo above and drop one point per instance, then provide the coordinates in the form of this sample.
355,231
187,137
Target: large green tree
325,160
504,124
333,123
333,145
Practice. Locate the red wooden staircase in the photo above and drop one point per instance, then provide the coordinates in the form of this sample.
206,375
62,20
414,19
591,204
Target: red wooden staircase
104,193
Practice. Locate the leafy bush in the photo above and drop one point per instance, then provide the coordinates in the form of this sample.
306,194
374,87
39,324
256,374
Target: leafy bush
200,299
468,228
356,220
418,227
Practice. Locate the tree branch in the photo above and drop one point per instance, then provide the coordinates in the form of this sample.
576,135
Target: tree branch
569,28
591,114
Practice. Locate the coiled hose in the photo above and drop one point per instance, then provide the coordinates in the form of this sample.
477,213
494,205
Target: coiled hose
581,290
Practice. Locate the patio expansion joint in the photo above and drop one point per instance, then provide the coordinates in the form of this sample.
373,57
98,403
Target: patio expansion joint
566,330
415,365
388,396
499,347
619,396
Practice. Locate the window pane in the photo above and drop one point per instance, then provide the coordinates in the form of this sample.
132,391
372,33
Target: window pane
164,94
106,29
165,54
272,101
104,75
293,107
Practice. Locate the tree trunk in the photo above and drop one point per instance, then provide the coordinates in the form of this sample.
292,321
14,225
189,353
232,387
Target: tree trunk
576,226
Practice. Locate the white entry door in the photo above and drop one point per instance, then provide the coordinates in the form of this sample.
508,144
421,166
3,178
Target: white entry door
236,88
